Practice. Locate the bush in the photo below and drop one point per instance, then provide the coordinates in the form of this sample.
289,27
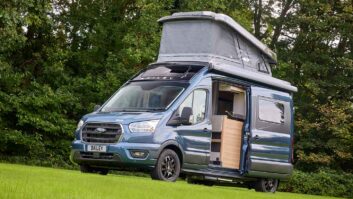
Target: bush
325,182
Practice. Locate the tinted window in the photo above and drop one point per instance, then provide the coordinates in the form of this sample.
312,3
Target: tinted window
197,101
262,67
271,111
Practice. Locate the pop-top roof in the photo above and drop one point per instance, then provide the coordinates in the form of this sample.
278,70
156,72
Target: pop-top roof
228,21
220,41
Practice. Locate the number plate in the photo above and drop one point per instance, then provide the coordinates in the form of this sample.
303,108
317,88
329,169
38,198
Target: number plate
96,148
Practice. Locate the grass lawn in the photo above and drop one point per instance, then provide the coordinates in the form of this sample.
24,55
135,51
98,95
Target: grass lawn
18,181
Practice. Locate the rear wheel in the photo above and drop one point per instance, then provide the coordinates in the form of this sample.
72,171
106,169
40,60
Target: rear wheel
266,185
167,167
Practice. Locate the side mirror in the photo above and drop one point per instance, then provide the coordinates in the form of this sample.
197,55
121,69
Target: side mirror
96,107
185,115
182,119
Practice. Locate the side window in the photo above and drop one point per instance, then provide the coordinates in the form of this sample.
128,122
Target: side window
262,67
271,111
197,102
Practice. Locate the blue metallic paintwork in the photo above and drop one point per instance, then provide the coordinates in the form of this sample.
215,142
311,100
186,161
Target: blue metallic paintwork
123,150
193,142
268,137
196,139
122,118
271,153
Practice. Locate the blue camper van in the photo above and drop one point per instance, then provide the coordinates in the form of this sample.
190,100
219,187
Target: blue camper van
208,109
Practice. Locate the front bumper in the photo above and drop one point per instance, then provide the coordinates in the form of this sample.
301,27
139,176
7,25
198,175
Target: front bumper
117,155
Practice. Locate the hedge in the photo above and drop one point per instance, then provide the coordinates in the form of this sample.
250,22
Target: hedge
324,182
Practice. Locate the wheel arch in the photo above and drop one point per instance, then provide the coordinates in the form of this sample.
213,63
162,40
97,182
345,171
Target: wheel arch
173,145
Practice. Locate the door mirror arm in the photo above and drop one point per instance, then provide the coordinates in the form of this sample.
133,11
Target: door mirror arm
174,121
183,119
96,107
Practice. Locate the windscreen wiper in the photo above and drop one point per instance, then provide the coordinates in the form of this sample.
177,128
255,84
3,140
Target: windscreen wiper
122,110
153,109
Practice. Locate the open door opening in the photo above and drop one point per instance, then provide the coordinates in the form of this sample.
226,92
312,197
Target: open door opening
229,113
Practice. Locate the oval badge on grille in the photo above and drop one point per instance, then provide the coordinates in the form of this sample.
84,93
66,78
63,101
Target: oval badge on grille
101,133
100,130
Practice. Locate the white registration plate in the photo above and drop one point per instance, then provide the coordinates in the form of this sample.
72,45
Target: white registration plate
96,148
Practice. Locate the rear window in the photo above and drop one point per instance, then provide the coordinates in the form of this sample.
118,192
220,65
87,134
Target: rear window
271,111
169,72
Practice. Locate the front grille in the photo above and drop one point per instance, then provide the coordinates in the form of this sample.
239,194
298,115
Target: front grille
91,155
101,133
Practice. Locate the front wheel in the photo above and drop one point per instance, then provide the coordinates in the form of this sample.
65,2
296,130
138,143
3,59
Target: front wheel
88,169
266,185
167,167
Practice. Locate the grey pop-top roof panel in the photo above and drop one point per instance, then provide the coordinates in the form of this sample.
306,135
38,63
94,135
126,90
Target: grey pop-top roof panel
208,15
218,40
214,38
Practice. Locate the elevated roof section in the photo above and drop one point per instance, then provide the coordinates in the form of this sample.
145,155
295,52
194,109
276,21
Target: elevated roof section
217,39
228,21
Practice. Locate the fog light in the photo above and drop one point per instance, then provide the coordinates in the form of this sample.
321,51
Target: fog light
138,154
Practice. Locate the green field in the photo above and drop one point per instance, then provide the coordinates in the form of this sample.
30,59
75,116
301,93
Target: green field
18,181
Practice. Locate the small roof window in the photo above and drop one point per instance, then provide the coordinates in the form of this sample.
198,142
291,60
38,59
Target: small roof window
169,72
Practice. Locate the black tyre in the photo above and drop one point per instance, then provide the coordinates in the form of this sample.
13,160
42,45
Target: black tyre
266,185
86,169
102,171
167,167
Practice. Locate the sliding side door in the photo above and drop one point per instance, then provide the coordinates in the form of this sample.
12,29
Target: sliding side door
269,150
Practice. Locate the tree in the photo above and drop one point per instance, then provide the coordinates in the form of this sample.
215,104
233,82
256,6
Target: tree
317,58
59,58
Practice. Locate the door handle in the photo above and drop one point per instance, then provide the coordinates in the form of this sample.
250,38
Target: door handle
257,137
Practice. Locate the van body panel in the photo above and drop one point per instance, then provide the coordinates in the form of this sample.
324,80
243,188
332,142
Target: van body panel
269,156
195,139
269,148
199,51
195,142
271,166
122,117
254,76
267,175
121,155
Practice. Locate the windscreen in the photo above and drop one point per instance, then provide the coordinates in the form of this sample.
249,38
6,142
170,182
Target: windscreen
144,96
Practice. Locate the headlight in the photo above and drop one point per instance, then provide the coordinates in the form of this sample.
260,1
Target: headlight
143,127
79,125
